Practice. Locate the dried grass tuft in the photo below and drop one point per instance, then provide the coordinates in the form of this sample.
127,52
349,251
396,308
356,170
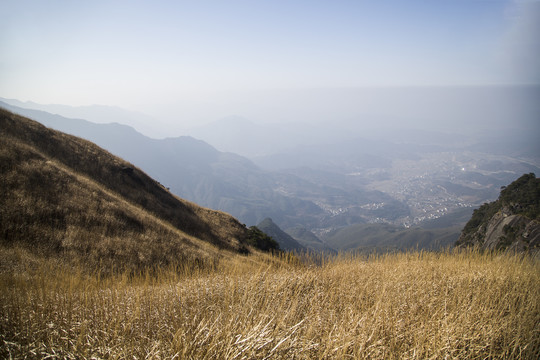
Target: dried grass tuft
462,305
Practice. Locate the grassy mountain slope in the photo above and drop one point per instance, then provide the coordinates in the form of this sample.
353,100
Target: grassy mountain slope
418,305
192,169
62,194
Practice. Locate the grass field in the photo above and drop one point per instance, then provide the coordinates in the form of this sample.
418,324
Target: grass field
464,305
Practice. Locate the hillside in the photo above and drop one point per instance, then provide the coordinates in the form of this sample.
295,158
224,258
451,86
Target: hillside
192,169
309,240
416,305
512,222
382,238
64,195
285,241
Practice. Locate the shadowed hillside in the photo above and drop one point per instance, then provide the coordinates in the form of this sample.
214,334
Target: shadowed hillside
62,194
285,241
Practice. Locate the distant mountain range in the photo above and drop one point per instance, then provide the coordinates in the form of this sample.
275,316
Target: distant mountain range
191,168
242,136
99,114
431,180
194,170
309,240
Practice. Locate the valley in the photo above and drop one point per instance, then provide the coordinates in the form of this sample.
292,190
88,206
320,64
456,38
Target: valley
98,260
410,192
440,183
270,180
416,179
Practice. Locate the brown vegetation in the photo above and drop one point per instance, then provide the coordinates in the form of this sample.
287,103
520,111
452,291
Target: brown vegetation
63,195
405,306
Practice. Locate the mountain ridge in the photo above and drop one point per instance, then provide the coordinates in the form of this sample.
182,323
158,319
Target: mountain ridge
191,168
101,114
309,240
348,182
382,238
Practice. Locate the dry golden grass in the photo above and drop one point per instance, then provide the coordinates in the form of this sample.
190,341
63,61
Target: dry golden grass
463,305
62,196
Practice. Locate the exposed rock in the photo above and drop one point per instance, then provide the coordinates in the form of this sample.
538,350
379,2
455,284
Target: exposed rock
510,223
511,232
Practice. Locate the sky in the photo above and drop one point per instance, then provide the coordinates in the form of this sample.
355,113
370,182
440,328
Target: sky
203,59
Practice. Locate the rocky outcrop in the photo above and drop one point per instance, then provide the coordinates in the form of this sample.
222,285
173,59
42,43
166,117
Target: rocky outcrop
505,231
510,223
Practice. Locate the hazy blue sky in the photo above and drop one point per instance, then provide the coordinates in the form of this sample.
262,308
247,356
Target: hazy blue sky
141,54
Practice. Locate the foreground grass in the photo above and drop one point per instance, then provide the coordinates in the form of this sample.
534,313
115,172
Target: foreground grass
405,306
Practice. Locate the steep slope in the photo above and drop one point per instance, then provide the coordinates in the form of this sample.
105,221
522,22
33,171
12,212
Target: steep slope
192,169
285,241
62,194
512,222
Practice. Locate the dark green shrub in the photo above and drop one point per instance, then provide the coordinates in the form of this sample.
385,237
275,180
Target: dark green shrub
260,240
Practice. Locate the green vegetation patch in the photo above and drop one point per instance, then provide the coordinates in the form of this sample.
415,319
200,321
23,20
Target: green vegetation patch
260,240
521,197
